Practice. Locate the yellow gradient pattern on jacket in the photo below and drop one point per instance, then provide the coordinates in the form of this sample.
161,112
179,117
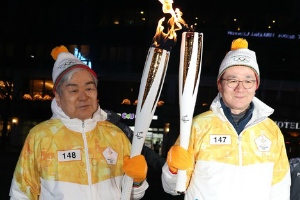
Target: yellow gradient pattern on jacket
207,124
40,155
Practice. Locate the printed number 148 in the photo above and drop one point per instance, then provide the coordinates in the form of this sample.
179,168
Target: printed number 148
69,155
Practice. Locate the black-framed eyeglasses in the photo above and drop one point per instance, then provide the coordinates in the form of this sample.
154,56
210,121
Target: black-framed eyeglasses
233,83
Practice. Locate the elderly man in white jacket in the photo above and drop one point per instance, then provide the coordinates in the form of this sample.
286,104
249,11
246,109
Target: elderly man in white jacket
76,154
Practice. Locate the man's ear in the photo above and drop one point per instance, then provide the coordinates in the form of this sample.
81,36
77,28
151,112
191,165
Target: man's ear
57,98
219,87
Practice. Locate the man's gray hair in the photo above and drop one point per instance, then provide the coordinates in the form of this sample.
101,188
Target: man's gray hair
67,77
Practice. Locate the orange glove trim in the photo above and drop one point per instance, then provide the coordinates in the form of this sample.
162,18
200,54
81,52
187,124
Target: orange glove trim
179,158
135,167
173,171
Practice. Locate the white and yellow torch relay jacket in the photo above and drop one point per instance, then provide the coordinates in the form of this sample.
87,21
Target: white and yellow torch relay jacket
228,166
70,159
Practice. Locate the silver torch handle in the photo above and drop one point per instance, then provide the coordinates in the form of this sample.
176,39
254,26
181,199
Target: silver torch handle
189,78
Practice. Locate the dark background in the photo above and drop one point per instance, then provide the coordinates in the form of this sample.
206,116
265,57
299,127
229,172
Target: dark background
118,52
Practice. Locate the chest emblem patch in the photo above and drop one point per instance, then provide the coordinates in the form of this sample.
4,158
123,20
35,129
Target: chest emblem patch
110,155
263,143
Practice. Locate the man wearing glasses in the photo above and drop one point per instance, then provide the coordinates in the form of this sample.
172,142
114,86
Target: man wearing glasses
236,151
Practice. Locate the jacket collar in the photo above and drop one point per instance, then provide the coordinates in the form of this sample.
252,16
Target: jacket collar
260,112
77,124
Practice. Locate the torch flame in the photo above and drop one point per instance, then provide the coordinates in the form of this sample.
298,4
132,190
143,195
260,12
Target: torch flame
174,24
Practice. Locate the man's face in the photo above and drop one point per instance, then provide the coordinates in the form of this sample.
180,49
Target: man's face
238,98
78,96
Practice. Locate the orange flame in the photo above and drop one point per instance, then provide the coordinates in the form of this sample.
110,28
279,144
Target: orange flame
174,24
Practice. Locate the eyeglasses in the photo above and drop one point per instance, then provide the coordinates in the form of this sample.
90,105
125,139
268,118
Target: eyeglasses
233,83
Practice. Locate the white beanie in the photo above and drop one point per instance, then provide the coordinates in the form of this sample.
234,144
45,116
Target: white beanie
240,55
65,62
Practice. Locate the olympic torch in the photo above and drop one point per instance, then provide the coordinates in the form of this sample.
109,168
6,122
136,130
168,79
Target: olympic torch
189,78
150,89
151,83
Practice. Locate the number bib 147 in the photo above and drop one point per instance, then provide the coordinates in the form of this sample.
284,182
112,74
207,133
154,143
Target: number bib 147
220,139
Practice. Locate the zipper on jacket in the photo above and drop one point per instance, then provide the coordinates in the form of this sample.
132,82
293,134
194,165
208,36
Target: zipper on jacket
86,155
240,149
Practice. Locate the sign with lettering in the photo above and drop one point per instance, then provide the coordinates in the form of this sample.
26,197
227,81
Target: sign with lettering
131,116
264,35
128,115
288,125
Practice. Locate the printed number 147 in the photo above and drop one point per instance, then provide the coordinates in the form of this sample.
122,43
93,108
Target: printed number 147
220,139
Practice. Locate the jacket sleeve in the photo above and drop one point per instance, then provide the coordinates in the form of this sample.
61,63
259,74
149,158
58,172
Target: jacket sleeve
295,187
169,179
139,192
136,192
281,172
153,159
26,182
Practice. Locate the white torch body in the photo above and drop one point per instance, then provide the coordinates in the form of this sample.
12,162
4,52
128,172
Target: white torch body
189,77
150,88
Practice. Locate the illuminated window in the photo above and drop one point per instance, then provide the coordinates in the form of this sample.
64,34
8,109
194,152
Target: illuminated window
41,87
82,58
4,88
82,53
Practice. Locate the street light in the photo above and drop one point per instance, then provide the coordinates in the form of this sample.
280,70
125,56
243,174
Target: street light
15,121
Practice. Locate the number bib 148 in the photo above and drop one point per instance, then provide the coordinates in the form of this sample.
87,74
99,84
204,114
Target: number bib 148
69,155
220,139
